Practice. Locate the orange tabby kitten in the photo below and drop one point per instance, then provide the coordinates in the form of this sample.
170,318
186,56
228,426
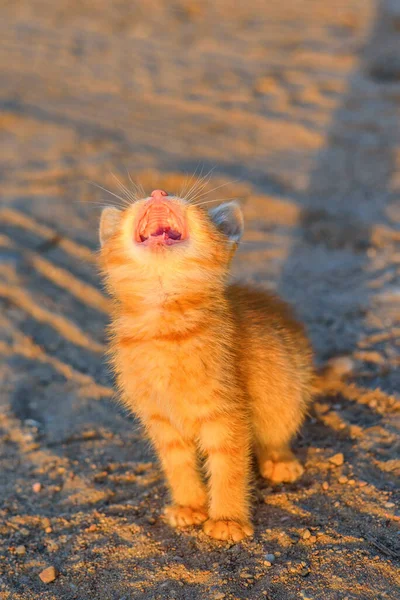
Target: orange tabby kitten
211,369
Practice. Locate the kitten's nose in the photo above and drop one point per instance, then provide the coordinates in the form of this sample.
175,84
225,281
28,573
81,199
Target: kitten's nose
158,194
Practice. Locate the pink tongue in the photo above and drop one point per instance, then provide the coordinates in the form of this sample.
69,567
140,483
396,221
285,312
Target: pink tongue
159,231
174,235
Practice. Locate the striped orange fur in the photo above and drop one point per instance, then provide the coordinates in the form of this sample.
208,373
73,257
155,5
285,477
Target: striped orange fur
212,370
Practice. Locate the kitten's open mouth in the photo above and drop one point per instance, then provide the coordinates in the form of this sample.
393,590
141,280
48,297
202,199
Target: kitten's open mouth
160,223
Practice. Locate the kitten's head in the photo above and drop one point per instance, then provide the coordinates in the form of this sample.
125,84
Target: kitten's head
167,236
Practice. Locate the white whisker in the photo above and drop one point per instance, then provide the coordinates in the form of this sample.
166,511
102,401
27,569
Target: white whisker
184,185
214,189
188,181
123,200
201,184
216,200
196,181
124,189
142,190
94,206
135,187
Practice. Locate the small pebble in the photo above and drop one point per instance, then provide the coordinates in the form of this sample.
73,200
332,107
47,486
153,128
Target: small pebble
337,459
219,596
92,527
325,485
312,539
389,504
49,574
51,546
24,531
362,483
343,479
270,557
48,530
36,487
352,482
20,550
306,534
355,431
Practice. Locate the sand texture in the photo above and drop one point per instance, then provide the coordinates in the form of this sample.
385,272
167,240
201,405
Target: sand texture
296,106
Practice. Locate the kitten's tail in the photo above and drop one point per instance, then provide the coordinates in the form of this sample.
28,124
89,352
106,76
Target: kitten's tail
334,371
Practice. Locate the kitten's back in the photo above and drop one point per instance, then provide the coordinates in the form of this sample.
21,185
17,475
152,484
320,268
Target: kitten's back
269,339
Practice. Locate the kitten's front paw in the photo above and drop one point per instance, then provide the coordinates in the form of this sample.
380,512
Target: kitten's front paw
183,516
227,530
281,471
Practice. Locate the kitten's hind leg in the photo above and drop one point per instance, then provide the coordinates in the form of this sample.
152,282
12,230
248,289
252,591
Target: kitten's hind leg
179,460
278,464
276,420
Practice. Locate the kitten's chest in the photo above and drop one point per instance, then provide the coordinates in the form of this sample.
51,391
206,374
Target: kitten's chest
172,370
174,380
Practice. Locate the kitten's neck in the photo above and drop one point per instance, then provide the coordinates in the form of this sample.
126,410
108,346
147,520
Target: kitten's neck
163,311
162,292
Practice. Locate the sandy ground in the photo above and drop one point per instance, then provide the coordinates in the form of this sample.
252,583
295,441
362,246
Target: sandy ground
296,105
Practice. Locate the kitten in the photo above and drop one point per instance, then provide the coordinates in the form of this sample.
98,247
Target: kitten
211,369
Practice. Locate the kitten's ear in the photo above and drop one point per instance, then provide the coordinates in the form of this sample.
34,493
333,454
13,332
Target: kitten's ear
228,219
110,217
